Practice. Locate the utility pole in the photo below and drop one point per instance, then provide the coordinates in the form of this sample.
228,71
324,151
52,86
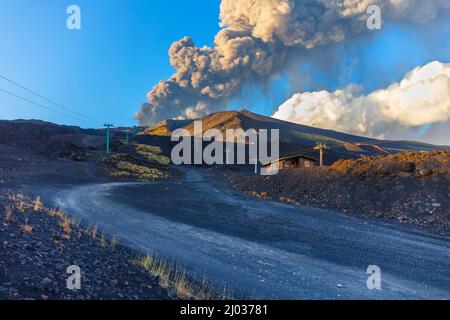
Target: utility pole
127,140
321,147
108,126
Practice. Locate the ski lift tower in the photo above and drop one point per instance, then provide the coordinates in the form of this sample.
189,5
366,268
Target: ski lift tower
321,147
108,126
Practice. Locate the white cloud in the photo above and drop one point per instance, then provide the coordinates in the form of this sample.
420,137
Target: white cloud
399,111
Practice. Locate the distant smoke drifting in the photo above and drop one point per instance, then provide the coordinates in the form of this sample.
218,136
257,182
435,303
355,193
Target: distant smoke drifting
421,99
255,40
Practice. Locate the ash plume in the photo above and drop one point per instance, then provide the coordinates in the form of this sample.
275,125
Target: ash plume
256,38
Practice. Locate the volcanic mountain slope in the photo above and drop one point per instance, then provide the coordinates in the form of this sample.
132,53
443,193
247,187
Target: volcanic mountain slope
166,127
294,138
34,132
48,139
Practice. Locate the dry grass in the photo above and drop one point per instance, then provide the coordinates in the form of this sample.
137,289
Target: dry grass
93,232
16,203
60,214
102,241
261,195
113,243
175,276
289,200
25,206
38,205
9,211
27,228
66,225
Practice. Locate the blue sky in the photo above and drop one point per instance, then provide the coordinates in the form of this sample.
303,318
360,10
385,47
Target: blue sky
103,70
106,69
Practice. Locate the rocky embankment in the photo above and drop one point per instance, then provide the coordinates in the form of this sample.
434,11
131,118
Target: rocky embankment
411,187
37,245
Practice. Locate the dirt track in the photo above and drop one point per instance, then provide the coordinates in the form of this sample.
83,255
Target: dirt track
264,249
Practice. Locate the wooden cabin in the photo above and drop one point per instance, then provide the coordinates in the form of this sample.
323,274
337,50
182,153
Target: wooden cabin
290,163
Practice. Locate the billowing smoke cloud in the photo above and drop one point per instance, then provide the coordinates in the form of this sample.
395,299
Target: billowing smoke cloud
420,103
254,42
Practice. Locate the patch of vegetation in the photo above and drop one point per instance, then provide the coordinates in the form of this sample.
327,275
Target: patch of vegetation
152,153
261,195
127,167
142,172
174,277
162,132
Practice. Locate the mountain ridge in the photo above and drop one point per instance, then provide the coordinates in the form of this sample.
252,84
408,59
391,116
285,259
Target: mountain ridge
294,138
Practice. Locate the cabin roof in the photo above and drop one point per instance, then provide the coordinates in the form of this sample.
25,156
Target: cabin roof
290,157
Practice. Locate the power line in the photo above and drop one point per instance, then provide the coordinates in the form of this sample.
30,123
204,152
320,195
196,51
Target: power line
49,100
40,105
